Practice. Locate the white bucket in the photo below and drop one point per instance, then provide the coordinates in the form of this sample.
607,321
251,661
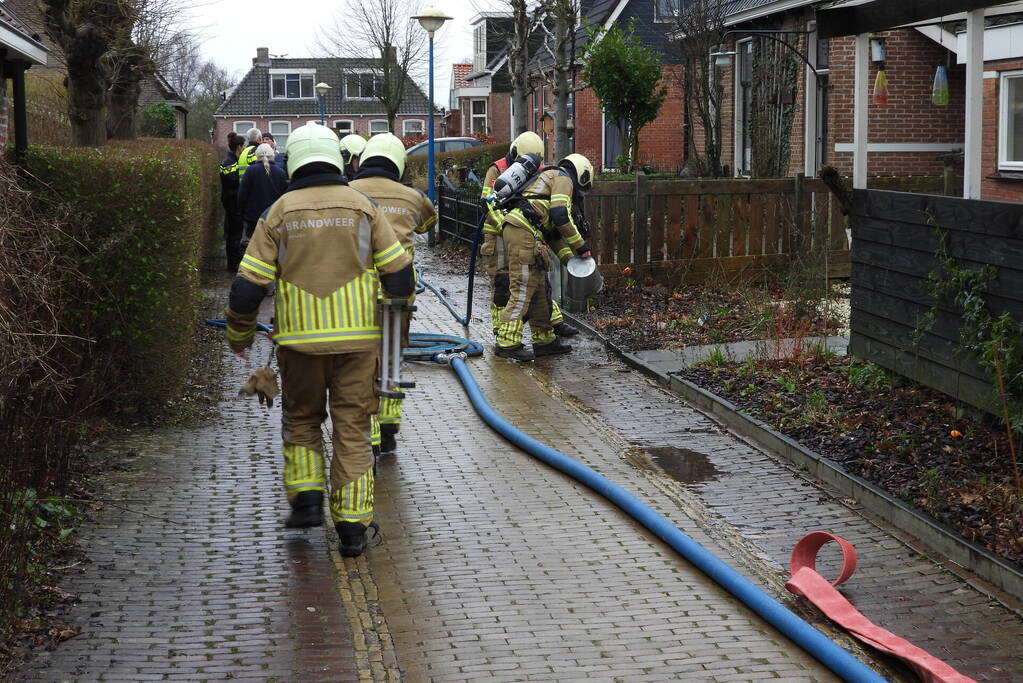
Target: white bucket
585,279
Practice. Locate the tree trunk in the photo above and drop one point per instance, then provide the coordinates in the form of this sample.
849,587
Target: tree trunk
123,100
562,90
518,67
86,85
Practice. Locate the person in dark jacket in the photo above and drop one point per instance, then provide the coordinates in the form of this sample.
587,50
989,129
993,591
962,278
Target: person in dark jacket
260,187
278,157
229,199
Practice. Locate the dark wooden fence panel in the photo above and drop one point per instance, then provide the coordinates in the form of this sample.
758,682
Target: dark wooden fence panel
895,240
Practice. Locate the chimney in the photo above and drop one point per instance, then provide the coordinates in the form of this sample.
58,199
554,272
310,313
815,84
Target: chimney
262,57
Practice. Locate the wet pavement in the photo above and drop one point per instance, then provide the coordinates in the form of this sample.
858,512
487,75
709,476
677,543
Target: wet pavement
493,566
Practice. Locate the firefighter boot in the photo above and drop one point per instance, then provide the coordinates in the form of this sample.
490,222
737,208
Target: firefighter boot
388,444
563,329
552,349
306,510
353,538
519,352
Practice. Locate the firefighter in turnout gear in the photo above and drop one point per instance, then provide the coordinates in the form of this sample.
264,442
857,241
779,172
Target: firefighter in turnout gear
351,151
545,204
409,211
493,249
328,250
253,139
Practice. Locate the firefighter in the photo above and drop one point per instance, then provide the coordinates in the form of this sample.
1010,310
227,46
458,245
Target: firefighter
381,166
351,150
329,250
253,138
493,245
544,204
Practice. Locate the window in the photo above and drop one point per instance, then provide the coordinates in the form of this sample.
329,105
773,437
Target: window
363,85
280,130
479,52
1010,125
744,109
242,127
479,116
412,127
665,10
378,126
344,127
292,86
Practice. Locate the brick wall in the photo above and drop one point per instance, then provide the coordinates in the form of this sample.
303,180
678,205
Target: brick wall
361,124
909,117
499,116
994,188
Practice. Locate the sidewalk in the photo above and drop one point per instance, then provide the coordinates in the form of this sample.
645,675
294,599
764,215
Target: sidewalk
493,566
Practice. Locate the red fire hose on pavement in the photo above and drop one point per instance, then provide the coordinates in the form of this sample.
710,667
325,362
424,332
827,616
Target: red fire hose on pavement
808,583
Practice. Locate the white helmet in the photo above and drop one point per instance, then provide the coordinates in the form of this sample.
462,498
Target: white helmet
582,167
311,143
526,143
352,146
385,145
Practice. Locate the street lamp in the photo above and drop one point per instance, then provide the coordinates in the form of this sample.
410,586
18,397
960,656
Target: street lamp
321,90
431,20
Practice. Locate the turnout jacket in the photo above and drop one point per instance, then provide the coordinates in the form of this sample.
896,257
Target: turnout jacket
327,247
494,215
407,209
546,204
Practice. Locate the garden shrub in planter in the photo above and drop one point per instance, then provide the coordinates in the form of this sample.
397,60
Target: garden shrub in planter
150,207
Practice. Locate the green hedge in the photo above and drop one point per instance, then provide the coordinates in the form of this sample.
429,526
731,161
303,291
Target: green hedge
478,157
150,207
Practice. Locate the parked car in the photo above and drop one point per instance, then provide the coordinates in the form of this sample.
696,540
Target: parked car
443,145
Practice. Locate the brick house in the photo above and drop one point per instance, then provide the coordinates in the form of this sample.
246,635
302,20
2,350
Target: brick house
20,49
451,122
278,95
481,95
910,135
661,141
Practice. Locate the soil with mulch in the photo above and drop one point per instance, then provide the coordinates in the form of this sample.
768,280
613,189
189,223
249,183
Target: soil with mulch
902,437
640,317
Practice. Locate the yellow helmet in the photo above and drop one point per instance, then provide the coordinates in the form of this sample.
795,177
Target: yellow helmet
310,143
526,143
352,146
582,167
385,145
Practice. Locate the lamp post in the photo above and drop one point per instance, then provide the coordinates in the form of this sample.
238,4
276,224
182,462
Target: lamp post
431,20
321,91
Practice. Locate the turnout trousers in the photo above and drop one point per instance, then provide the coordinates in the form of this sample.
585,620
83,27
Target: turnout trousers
493,249
343,386
529,290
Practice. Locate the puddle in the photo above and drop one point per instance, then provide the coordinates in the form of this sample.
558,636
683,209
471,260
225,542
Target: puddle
682,464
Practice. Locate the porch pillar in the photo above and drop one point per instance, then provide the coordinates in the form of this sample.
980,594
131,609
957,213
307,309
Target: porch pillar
20,115
860,115
972,167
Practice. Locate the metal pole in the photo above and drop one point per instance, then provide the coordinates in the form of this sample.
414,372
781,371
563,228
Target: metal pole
430,180
323,113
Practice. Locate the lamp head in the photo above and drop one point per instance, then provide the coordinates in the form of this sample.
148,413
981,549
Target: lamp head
322,88
431,19
722,56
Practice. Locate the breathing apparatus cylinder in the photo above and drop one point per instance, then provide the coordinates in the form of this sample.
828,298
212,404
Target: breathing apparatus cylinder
515,177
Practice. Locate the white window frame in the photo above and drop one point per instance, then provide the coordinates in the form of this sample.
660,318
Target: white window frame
473,115
422,127
660,19
737,107
269,129
351,72
350,122
292,72
250,124
383,121
1003,122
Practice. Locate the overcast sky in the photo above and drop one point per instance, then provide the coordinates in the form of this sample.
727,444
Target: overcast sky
232,30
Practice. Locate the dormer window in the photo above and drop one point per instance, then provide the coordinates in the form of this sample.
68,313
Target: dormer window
363,85
666,10
292,84
479,60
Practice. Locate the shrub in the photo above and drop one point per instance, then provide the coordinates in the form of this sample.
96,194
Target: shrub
409,140
157,121
150,207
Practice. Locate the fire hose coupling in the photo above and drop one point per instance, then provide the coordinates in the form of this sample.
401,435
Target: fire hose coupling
446,358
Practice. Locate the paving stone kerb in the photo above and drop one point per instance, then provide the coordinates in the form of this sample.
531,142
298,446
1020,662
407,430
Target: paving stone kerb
943,539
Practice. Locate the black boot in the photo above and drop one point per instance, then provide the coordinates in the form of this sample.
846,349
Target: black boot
388,444
376,452
563,329
519,352
553,349
306,510
353,538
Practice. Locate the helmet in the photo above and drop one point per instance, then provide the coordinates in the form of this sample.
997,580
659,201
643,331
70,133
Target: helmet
310,143
526,143
582,167
385,145
352,146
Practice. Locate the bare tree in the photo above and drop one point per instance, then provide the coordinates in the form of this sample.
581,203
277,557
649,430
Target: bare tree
557,62
697,30
384,28
518,65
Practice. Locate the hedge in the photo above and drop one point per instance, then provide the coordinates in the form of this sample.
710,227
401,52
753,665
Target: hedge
150,206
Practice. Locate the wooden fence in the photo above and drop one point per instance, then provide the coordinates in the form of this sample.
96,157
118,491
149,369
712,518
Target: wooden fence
895,239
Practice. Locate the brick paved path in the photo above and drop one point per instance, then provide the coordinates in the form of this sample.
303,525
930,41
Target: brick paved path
493,566
219,592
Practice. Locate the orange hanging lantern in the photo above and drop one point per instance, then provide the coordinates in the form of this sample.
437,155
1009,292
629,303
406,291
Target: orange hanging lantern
880,97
